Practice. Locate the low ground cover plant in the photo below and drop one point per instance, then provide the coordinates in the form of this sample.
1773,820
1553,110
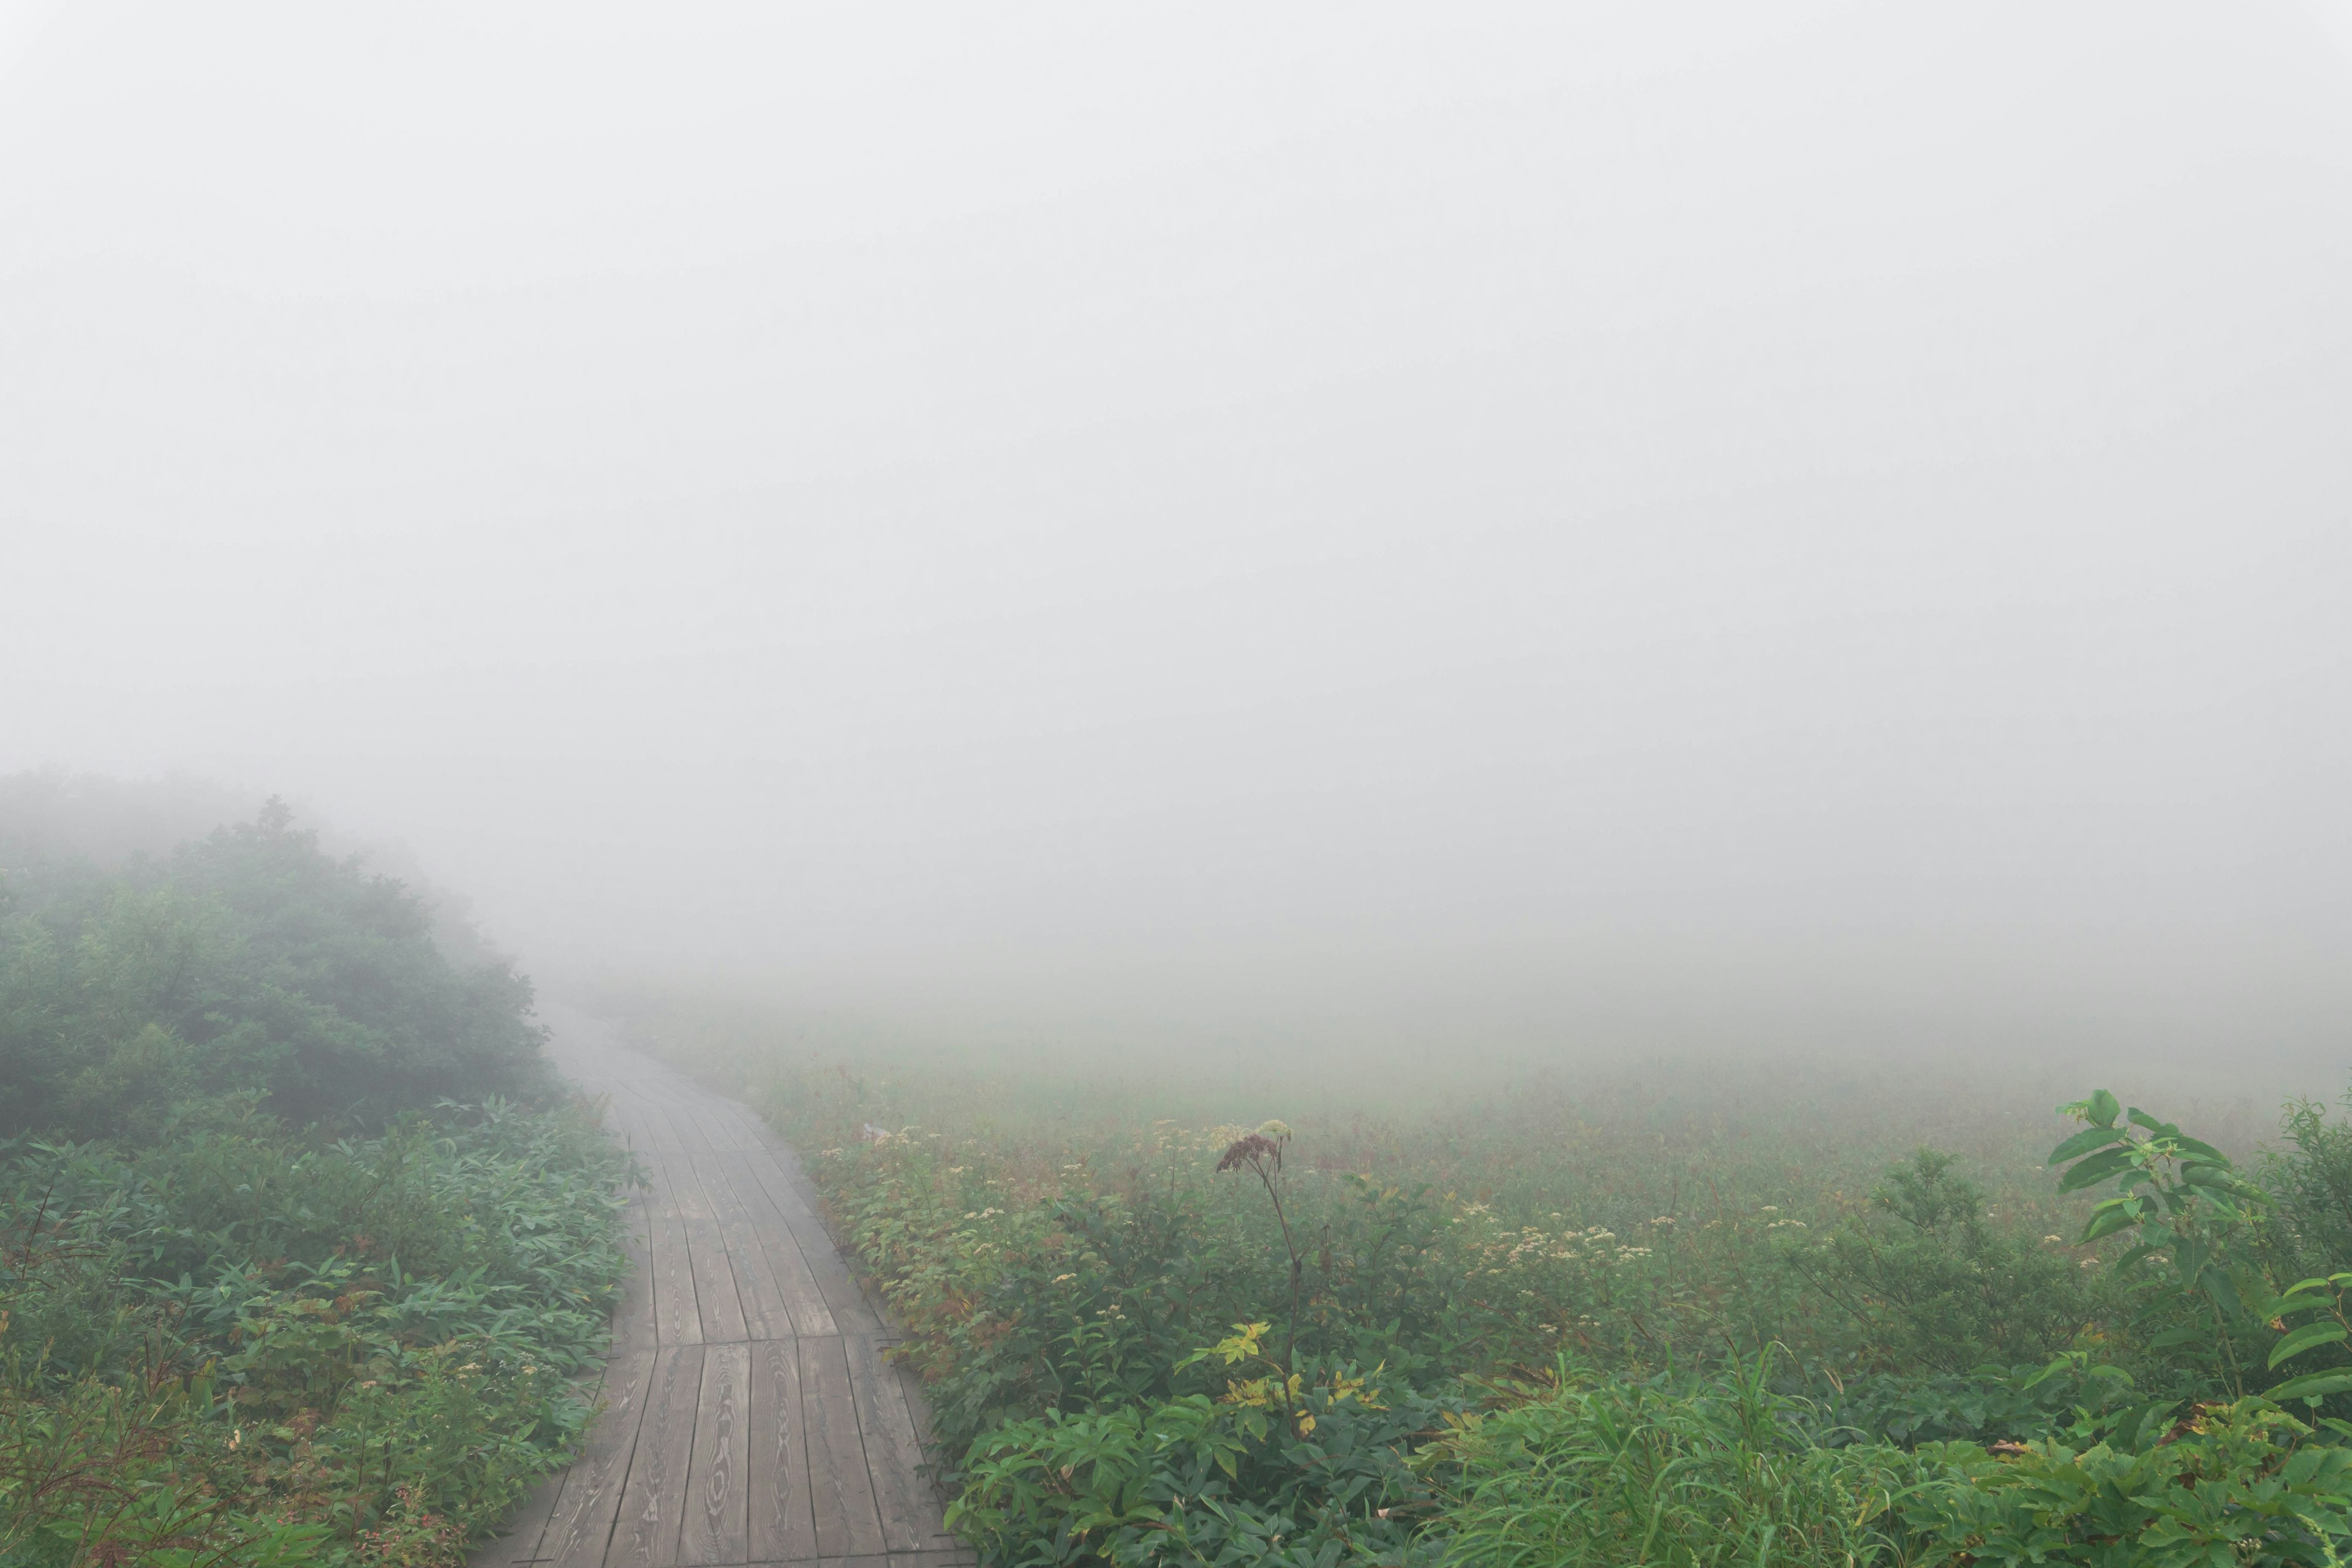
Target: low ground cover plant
303,1251
1587,1328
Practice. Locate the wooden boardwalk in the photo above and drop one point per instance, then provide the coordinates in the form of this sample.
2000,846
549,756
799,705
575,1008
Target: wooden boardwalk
748,1415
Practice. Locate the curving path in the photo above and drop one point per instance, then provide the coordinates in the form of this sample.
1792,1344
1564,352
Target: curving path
748,1416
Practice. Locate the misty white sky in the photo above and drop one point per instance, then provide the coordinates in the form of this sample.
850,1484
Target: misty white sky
1549,522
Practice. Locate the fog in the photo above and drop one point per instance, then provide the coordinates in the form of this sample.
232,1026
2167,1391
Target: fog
1556,528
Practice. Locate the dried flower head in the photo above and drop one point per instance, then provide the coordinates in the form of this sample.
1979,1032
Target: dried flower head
1250,1149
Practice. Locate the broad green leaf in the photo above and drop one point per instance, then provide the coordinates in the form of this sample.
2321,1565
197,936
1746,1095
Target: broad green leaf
2108,1221
2103,1108
2303,1338
2311,1385
2285,1302
2082,1144
2140,1118
2095,1169
2203,1151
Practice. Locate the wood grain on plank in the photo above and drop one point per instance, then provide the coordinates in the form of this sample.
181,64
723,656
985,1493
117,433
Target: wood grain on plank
767,1313
633,1314
518,1544
894,1457
849,1522
717,1518
783,1521
581,1528
653,1505
719,1306
678,1319
788,1266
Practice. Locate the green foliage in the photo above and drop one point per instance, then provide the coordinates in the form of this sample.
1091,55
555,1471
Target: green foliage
246,961
267,1294
1796,1337
1193,1480
1681,1473
231,1310
1931,1284
2238,1484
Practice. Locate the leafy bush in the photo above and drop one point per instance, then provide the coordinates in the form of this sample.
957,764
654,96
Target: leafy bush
247,961
1682,1473
1930,1283
231,1310
1309,1477
2236,1484
267,1294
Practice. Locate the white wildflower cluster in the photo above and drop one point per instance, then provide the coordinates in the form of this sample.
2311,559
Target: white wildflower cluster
1595,1244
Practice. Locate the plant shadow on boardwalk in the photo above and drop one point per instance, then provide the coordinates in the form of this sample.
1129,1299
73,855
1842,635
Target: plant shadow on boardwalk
748,1416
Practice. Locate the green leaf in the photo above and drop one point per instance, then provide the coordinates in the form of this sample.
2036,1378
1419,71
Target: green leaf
2303,1338
2095,1169
2311,1385
2082,1144
2108,1220
2203,1151
2140,1118
2103,1108
2285,1301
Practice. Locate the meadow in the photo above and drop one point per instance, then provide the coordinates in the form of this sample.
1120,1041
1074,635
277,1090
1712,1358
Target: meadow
302,1246
1240,1310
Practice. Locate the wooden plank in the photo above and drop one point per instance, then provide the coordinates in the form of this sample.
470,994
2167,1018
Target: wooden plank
518,1544
678,1319
653,1505
767,1313
719,1304
710,1116
717,1527
848,1524
919,1404
894,1457
783,1523
850,1309
787,1268
582,1525
785,1184
633,1314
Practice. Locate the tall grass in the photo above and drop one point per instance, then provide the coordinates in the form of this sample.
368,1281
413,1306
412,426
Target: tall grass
1679,1473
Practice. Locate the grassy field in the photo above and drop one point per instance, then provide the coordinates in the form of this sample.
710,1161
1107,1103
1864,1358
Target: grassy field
1241,1311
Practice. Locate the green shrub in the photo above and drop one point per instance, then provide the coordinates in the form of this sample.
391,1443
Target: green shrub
1680,1473
247,961
1931,1285
268,1292
1313,1477
2237,1486
230,1310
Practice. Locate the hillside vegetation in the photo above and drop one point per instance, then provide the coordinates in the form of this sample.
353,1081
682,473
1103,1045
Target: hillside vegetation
1757,1317
301,1242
